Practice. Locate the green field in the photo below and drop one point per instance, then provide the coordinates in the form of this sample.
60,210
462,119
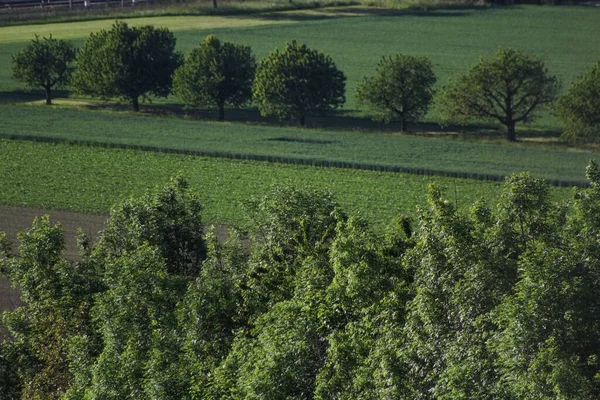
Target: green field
91,180
440,154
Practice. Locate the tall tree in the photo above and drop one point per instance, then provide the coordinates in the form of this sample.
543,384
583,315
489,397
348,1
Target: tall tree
402,89
298,82
45,63
56,297
136,321
216,75
151,250
508,88
211,312
127,62
548,339
579,108
168,219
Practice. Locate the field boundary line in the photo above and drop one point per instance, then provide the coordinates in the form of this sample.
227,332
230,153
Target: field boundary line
286,160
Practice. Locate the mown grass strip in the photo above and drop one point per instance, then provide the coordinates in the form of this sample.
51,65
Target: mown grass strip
33,16
89,179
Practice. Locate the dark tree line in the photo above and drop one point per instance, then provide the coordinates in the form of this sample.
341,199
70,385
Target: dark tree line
490,302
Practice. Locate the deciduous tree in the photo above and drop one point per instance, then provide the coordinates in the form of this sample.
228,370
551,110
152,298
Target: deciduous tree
127,62
579,108
297,82
509,88
402,89
45,63
216,75
56,297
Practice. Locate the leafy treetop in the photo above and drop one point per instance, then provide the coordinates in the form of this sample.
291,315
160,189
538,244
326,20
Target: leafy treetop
297,82
216,74
402,88
579,108
127,62
509,88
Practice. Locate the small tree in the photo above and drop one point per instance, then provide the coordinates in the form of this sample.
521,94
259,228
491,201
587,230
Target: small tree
402,89
127,62
508,88
579,108
297,82
216,74
45,63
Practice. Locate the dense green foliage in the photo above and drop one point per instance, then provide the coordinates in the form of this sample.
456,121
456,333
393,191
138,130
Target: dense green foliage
509,88
46,64
127,62
489,303
297,82
216,75
402,89
579,108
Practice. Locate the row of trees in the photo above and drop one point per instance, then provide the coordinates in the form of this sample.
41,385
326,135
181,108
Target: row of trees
132,63
494,302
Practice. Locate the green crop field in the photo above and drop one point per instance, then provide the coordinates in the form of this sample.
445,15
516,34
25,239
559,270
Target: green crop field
440,154
87,179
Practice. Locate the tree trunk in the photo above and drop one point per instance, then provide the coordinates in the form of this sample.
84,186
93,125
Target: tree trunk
215,4
403,125
511,135
302,120
48,96
221,112
135,103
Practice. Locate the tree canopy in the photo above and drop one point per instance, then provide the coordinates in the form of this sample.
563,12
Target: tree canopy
401,89
579,108
483,302
297,82
216,75
509,88
45,63
127,62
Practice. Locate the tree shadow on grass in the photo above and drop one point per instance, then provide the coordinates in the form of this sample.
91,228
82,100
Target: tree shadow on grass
341,120
328,13
22,97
